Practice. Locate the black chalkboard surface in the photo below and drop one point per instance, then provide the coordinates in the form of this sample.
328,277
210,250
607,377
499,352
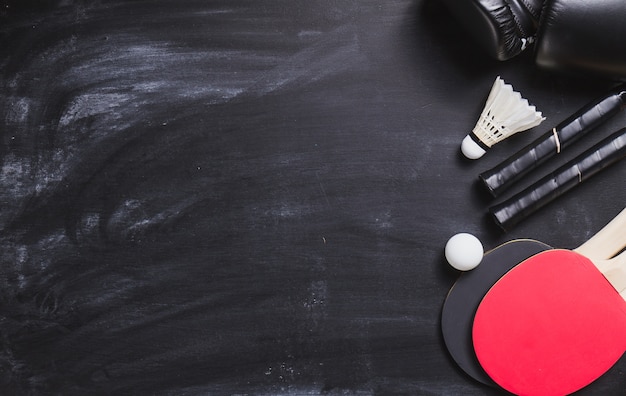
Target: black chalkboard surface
246,197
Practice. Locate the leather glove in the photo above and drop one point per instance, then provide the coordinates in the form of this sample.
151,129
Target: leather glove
504,28
583,35
568,35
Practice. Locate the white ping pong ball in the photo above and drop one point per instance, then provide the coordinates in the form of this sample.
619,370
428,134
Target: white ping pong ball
464,251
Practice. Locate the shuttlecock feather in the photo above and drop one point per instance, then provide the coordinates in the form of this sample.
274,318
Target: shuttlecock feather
505,113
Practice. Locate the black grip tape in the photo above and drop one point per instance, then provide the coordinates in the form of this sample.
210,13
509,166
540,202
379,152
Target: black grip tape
607,152
505,174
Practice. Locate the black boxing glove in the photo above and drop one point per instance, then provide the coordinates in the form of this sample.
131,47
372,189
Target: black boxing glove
583,35
504,28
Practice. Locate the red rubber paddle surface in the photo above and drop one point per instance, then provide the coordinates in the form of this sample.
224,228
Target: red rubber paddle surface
550,326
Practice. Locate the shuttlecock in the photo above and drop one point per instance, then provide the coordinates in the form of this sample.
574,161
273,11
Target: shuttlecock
505,113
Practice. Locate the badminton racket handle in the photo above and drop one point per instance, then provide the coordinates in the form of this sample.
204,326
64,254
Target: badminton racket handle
503,175
518,207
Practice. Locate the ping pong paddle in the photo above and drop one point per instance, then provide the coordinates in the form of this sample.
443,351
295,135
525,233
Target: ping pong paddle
554,323
465,295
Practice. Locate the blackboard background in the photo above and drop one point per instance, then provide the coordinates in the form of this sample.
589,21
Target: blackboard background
246,197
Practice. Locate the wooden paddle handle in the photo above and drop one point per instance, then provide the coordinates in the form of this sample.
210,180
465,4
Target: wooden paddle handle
526,202
607,242
614,271
502,176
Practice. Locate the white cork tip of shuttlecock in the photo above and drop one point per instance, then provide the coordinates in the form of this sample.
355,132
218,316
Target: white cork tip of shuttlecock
471,149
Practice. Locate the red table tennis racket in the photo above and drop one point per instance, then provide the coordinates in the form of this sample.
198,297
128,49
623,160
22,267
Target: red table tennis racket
458,310
554,323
